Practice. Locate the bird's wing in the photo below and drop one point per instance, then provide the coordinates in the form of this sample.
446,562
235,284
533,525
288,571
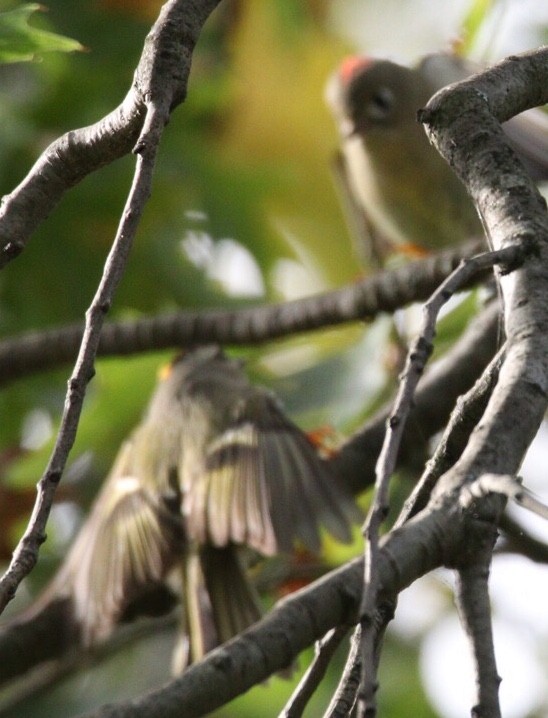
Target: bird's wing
127,545
263,484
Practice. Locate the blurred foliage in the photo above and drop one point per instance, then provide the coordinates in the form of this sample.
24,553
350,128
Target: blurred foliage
20,41
248,158
473,22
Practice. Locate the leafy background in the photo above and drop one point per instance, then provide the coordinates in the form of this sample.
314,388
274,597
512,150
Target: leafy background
243,211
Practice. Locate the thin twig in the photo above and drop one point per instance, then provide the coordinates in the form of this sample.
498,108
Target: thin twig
446,379
325,650
475,614
26,552
161,80
344,699
509,486
468,411
418,355
517,539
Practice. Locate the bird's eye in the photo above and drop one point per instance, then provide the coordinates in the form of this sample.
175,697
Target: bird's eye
381,104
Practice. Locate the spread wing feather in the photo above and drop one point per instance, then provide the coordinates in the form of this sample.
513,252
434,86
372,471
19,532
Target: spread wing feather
262,483
126,546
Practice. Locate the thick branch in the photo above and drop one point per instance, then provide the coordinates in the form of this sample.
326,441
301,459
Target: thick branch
463,122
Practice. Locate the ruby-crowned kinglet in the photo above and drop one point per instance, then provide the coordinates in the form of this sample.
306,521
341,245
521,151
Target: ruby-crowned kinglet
214,467
408,195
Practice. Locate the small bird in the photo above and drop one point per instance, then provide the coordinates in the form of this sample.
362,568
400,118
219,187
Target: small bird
397,188
214,470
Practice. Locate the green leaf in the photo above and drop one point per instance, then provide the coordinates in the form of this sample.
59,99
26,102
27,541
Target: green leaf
20,42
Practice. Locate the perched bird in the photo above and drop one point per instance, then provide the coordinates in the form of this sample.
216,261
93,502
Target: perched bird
214,469
397,188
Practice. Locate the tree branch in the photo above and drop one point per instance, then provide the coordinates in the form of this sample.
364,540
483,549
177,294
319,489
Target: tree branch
463,121
466,415
325,649
517,539
475,614
365,299
344,699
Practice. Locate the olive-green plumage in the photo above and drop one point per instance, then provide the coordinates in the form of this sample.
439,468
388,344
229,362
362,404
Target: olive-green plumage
406,191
